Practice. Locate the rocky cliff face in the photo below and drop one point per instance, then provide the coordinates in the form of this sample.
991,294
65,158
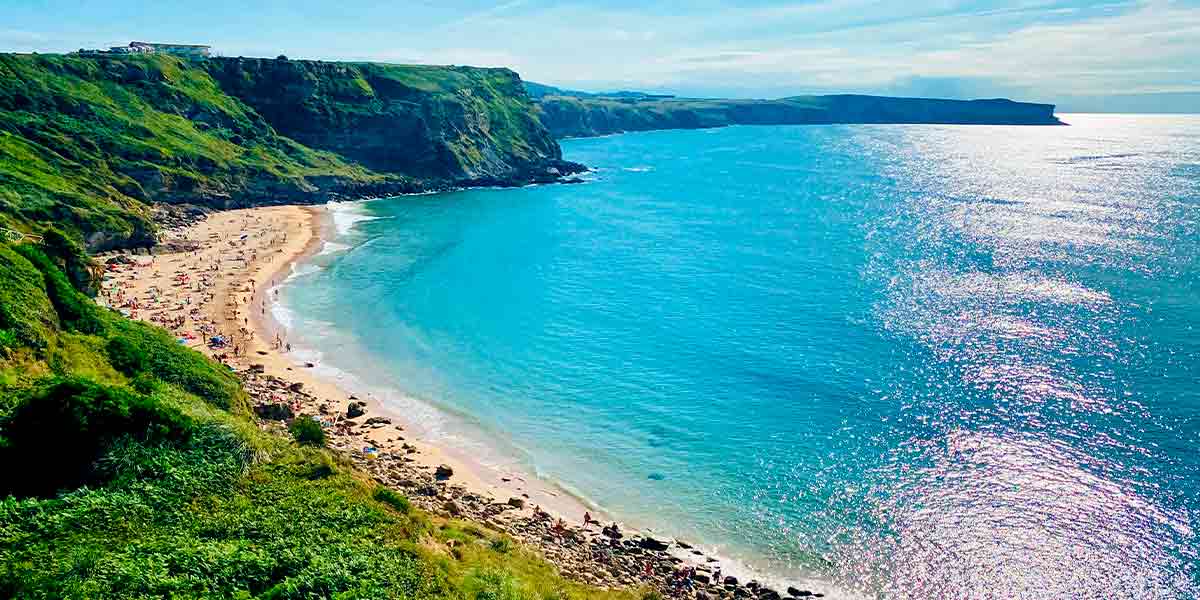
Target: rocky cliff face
582,116
460,124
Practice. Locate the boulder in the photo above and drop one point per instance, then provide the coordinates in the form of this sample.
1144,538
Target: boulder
730,580
356,409
798,593
258,368
443,472
452,508
274,412
650,543
379,421
296,387
516,502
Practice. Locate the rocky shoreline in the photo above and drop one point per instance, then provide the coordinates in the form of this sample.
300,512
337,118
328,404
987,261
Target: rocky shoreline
593,554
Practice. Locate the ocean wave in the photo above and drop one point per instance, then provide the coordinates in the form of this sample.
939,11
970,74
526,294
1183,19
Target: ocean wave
346,215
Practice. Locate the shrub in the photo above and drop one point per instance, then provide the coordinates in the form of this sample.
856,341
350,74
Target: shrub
391,498
57,430
76,311
137,348
307,431
127,357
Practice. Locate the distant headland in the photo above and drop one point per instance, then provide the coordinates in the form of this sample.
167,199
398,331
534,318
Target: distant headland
568,113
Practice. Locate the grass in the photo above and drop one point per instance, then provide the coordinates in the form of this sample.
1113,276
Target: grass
87,142
135,471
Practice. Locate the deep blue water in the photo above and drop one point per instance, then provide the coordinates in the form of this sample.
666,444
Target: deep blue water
945,361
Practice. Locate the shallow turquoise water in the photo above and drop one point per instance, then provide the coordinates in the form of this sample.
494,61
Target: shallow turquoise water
949,361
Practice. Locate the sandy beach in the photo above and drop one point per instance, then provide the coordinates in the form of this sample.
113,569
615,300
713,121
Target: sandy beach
211,283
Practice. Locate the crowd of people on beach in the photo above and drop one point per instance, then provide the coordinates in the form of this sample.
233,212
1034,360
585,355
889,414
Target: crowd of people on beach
182,308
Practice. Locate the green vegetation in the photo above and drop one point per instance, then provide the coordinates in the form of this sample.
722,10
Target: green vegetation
86,142
307,431
89,142
135,471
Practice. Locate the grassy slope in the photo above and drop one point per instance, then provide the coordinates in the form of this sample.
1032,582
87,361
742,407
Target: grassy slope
85,142
135,472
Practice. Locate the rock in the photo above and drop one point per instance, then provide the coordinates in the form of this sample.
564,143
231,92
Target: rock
443,472
452,507
356,409
296,387
274,412
701,577
798,593
258,368
650,543
730,580
379,421
516,503
309,365
768,594
753,585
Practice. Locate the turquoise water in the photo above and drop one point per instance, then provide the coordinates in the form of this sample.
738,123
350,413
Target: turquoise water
945,362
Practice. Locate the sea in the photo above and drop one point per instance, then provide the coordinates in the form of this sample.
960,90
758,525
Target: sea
902,361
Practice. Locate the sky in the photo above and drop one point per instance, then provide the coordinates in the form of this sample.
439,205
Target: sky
1143,55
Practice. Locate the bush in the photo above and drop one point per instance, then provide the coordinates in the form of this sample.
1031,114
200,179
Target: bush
391,498
76,311
307,431
126,357
137,348
56,432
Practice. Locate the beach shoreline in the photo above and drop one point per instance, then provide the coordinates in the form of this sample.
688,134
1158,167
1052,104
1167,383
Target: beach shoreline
219,278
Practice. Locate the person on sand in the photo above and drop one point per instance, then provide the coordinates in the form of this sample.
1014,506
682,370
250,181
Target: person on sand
587,518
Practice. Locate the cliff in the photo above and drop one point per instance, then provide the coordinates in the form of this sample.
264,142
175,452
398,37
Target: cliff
88,143
460,123
582,116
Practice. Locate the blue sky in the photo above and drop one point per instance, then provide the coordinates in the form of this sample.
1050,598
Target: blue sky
1027,49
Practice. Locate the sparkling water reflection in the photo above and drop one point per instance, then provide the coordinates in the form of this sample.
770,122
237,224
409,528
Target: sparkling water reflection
935,362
